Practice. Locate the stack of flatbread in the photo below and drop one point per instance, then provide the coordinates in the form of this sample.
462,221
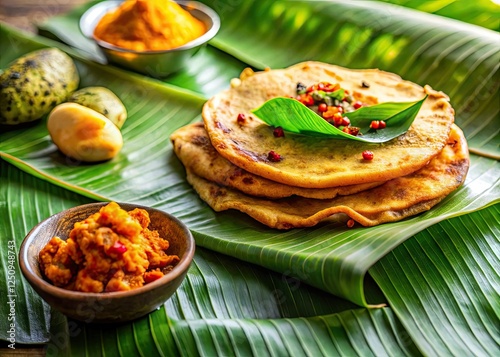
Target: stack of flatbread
319,179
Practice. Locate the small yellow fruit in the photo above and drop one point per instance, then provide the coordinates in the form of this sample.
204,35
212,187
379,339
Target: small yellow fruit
83,133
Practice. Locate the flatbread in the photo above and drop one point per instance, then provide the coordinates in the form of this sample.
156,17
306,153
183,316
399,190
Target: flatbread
192,146
314,162
396,199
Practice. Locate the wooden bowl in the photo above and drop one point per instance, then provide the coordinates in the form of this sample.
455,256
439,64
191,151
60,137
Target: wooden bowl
107,307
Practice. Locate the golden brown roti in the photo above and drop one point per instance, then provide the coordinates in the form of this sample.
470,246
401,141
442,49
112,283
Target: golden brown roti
192,146
314,162
396,199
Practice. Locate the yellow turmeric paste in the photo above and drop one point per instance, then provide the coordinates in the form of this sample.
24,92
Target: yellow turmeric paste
149,25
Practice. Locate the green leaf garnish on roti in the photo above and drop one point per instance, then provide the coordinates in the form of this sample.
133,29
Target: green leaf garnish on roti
295,117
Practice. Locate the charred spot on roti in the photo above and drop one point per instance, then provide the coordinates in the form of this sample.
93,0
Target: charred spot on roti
201,141
216,192
333,75
248,181
222,127
400,193
441,104
458,169
247,154
237,172
367,99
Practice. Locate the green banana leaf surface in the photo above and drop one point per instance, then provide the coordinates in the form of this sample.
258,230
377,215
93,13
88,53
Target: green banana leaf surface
304,291
328,256
226,305
481,12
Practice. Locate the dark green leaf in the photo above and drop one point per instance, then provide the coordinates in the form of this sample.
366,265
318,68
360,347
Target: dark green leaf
229,308
485,13
297,118
339,94
447,280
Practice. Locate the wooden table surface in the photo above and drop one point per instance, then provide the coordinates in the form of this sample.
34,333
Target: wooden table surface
24,14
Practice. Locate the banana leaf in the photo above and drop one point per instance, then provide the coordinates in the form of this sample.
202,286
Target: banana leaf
329,257
485,13
350,333
219,292
24,201
227,307
431,281
435,265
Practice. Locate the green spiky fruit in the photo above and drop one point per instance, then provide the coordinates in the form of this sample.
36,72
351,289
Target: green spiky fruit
34,84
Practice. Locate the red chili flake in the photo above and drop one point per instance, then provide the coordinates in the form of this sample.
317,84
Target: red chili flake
117,248
367,155
350,223
375,124
338,119
382,124
352,130
306,99
278,132
241,118
273,156
357,105
329,87
322,108
346,121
